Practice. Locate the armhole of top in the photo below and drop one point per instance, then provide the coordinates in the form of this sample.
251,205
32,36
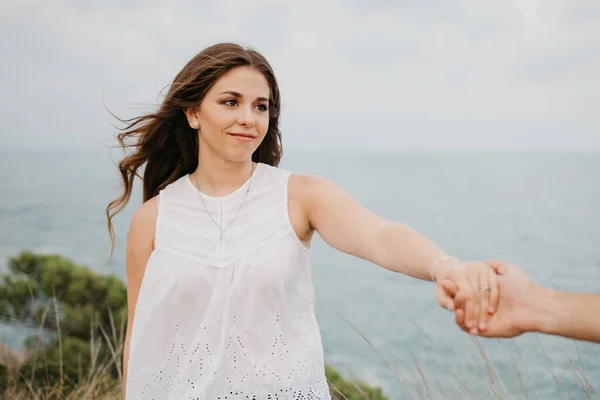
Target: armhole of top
157,223
286,205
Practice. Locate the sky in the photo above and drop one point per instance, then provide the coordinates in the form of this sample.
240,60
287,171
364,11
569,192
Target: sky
371,74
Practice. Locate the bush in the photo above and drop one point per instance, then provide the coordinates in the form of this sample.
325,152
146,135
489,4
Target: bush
342,389
81,315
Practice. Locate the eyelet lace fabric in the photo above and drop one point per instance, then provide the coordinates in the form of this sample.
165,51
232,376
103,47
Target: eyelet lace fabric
227,320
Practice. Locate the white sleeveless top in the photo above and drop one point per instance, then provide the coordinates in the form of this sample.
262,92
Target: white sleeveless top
231,319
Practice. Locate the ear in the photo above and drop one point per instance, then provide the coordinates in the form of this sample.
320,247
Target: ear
192,116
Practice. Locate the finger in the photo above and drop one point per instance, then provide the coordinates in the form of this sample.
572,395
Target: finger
494,293
460,300
449,290
449,287
452,291
499,266
475,301
459,318
465,299
443,298
484,295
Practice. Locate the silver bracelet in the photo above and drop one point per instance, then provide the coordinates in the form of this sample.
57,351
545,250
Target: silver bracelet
439,261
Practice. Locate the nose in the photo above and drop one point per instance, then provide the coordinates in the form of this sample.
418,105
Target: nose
246,116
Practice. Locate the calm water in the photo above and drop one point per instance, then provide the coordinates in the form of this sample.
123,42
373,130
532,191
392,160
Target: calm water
538,210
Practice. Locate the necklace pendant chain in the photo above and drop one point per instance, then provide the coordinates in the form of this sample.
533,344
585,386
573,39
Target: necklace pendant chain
220,226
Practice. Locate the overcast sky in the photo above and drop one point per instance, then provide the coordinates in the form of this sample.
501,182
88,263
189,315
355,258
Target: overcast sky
410,74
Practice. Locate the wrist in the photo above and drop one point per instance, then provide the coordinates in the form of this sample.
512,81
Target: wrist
443,266
538,310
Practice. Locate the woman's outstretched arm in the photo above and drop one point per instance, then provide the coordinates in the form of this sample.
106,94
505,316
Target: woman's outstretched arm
349,227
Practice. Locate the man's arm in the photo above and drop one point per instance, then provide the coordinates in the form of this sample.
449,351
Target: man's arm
527,307
572,315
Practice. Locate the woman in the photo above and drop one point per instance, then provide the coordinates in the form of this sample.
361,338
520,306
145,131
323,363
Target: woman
219,288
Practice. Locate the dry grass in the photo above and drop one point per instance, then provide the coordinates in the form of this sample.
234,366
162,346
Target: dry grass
97,384
85,391
415,381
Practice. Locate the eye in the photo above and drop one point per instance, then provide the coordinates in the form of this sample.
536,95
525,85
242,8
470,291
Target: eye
230,102
262,107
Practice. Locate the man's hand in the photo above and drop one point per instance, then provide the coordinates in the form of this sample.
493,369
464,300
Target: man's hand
473,292
512,315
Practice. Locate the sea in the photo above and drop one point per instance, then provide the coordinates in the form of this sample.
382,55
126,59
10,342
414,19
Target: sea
539,210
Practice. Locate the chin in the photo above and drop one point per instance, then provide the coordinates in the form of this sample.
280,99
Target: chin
239,157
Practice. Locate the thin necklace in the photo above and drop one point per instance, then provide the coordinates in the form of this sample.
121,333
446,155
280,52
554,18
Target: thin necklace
221,230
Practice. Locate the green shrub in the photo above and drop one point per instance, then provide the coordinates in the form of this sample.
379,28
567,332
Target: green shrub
343,389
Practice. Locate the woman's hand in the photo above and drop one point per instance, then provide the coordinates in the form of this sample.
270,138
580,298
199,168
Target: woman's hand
514,314
476,294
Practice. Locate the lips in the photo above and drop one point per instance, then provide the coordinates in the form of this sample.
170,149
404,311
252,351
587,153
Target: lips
242,135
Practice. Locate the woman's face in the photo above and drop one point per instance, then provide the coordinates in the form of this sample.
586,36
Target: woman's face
233,118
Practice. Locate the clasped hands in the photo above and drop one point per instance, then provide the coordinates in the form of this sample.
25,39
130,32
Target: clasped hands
470,289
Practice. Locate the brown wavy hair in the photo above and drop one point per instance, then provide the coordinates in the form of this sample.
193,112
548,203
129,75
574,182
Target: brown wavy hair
163,142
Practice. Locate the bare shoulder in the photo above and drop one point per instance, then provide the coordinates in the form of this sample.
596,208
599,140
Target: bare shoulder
298,183
302,190
140,245
308,186
301,197
144,218
316,196
307,180
142,228
313,189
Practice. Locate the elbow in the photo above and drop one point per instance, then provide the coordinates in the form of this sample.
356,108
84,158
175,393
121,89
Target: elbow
385,246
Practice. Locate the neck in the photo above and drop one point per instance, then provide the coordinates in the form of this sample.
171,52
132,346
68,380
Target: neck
218,177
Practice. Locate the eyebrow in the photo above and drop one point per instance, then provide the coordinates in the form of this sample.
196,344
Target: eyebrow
239,95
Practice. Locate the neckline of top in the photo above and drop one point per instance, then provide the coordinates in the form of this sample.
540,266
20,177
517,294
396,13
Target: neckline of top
188,180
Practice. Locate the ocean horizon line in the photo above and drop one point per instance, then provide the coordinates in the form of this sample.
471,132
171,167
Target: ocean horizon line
305,151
